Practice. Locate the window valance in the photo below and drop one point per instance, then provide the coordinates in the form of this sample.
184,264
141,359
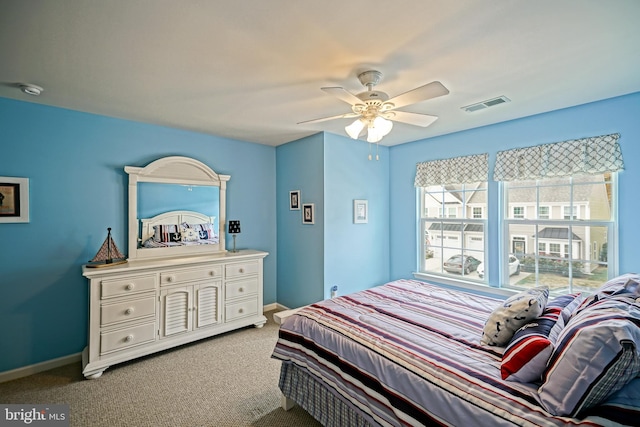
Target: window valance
584,156
456,170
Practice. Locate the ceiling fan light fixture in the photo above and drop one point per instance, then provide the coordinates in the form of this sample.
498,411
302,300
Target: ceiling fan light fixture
354,129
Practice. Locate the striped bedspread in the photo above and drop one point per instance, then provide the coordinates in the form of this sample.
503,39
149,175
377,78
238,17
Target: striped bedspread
409,353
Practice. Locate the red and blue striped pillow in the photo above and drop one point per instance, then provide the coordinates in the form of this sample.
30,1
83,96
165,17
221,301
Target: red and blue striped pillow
528,352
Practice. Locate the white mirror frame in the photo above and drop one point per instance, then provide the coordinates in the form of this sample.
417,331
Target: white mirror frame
174,170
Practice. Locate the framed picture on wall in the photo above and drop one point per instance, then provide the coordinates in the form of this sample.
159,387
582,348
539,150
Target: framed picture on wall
14,199
360,211
308,213
294,200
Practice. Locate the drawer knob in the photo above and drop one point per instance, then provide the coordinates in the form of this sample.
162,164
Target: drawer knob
240,289
130,287
241,270
169,279
212,273
240,310
128,338
128,311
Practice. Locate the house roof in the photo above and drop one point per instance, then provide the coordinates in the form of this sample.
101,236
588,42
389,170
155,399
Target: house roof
455,227
252,70
559,233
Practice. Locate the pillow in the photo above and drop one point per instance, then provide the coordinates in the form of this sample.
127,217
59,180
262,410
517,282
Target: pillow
617,283
516,311
597,354
188,234
166,233
205,231
528,352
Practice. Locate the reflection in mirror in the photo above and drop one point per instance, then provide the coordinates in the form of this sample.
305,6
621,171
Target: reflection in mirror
156,198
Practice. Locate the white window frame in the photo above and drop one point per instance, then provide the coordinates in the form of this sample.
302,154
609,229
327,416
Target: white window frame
518,216
548,215
449,241
611,224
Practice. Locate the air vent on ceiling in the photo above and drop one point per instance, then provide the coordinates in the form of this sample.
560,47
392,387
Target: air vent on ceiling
486,104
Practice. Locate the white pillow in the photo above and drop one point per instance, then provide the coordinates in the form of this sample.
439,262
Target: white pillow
514,313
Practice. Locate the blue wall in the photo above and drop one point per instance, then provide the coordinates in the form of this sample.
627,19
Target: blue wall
78,188
616,115
331,171
300,246
356,255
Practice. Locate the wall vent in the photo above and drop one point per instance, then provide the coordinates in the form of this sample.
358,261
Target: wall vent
486,104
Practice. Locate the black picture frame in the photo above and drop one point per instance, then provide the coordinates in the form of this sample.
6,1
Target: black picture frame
10,199
308,213
294,200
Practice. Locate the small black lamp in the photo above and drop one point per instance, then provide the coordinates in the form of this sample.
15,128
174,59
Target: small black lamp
234,228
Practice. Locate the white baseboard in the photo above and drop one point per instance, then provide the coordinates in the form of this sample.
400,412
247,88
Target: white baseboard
274,306
25,371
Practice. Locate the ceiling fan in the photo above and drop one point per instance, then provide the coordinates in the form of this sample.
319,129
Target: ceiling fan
374,109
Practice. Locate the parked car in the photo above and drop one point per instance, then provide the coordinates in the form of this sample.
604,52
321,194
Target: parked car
460,263
514,267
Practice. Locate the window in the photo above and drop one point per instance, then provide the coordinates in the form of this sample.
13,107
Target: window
518,212
570,212
451,239
452,243
566,258
572,187
543,212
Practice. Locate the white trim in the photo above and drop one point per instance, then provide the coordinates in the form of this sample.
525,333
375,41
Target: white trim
25,371
274,306
460,284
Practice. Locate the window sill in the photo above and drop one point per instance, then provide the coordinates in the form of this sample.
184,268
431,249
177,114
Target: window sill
465,285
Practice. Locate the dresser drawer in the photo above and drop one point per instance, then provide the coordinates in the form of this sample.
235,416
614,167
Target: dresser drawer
127,310
127,286
239,269
125,338
240,309
241,288
179,276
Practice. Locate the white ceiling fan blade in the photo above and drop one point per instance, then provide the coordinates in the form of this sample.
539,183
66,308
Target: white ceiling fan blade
419,94
324,119
415,119
343,95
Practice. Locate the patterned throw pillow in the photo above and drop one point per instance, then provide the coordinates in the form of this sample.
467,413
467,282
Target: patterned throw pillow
514,313
525,358
597,354
166,233
205,231
188,234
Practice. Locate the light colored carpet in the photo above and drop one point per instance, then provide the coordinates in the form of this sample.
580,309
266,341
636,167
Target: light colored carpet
224,381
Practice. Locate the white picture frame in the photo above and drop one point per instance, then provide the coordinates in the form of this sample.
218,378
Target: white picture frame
308,213
14,199
294,200
360,211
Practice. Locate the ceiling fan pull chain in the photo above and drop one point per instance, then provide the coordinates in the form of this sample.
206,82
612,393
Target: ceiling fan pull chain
369,151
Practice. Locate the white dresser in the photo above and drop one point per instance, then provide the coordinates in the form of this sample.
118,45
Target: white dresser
145,306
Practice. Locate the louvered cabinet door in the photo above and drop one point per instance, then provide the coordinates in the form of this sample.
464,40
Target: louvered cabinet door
208,304
176,310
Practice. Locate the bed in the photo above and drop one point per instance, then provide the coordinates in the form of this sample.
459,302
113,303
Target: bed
410,353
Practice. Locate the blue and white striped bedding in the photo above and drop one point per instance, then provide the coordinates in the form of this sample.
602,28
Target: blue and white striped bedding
409,353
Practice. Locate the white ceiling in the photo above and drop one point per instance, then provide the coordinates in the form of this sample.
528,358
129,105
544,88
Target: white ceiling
252,69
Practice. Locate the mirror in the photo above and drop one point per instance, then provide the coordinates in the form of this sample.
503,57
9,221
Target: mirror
156,198
171,191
